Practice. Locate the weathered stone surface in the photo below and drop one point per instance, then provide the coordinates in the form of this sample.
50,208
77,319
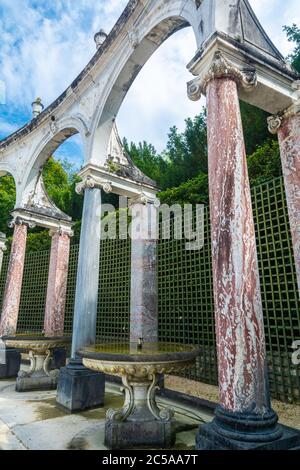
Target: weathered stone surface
57,285
12,363
87,284
209,439
39,375
132,434
80,388
12,294
289,140
238,307
143,305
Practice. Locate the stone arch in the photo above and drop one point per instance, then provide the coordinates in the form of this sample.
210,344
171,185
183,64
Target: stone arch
163,22
59,133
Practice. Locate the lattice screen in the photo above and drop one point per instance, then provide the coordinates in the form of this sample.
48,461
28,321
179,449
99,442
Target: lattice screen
185,293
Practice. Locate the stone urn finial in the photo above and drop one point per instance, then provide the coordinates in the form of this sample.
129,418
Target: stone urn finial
37,107
100,37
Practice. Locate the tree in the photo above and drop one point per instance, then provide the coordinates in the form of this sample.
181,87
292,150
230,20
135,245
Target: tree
7,201
194,191
255,127
264,164
293,35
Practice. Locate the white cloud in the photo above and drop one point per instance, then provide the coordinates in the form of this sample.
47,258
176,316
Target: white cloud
44,48
6,127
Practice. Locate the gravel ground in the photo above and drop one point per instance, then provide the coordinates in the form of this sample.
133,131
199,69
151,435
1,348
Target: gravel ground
288,414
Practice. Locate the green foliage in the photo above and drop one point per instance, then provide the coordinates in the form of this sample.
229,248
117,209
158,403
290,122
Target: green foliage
186,153
194,191
184,158
293,35
147,160
60,185
264,164
7,201
255,127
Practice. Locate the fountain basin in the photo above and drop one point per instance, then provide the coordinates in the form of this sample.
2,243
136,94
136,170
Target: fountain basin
39,348
139,422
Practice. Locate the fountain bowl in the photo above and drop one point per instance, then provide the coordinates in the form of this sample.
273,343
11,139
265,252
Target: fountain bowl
39,348
140,423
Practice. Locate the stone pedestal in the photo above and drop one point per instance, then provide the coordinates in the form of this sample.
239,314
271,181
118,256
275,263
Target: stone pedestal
10,362
57,284
80,388
140,423
12,294
133,434
39,376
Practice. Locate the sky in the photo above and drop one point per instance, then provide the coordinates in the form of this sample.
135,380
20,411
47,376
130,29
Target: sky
45,45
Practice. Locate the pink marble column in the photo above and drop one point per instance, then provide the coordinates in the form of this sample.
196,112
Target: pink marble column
57,284
12,294
238,308
289,141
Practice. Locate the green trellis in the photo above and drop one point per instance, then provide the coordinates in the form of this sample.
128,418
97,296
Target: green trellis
185,292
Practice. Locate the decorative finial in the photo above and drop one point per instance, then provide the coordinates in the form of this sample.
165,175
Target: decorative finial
37,107
99,38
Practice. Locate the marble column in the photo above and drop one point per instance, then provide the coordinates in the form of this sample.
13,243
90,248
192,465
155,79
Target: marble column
244,413
3,248
287,125
238,307
143,305
79,388
87,284
12,293
57,283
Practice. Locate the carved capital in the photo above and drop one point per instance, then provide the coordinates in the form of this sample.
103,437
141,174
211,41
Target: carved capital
89,183
19,221
276,121
292,111
221,67
143,199
61,231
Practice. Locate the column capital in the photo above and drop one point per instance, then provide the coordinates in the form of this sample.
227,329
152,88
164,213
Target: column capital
17,220
89,182
61,231
275,122
144,199
221,67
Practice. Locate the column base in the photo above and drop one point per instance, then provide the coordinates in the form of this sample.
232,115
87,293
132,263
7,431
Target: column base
59,358
238,431
12,359
133,434
79,388
140,423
